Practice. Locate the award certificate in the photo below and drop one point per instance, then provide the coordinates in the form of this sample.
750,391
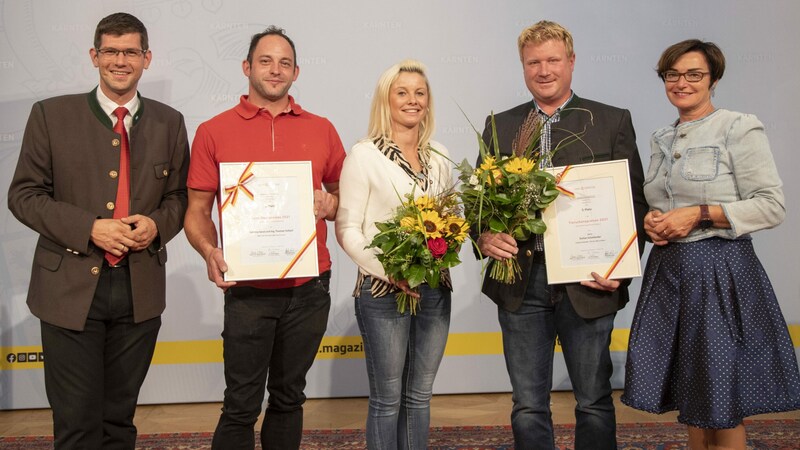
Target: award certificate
591,226
267,220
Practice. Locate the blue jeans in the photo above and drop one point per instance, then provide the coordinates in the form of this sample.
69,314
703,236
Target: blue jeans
275,332
529,337
402,354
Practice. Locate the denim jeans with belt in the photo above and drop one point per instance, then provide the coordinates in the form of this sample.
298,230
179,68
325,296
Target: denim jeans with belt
529,337
275,332
402,353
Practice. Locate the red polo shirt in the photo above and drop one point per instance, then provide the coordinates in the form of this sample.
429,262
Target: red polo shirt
248,133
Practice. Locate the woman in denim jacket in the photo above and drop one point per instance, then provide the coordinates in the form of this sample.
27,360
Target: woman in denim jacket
708,337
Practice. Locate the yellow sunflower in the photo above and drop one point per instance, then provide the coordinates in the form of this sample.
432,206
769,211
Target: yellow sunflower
495,177
519,165
498,175
457,228
488,164
424,202
408,222
432,224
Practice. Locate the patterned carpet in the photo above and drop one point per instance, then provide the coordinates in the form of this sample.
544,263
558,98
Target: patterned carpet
761,435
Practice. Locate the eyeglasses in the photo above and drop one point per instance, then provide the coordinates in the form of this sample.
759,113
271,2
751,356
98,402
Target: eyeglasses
692,77
130,53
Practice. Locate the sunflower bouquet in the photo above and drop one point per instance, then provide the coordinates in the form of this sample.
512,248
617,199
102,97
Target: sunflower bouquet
505,192
420,241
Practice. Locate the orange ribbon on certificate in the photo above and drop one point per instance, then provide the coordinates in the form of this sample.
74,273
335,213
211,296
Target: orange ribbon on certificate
620,255
564,190
232,192
298,255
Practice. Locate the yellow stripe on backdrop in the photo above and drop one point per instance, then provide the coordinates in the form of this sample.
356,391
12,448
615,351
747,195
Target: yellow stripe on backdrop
332,347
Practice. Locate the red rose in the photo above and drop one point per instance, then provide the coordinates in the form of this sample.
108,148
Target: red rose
438,247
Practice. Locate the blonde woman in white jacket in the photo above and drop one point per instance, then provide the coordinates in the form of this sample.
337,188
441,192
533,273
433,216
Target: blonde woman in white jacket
403,351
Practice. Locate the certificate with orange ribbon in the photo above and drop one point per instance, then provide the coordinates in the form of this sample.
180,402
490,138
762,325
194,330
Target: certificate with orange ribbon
267,220
591,226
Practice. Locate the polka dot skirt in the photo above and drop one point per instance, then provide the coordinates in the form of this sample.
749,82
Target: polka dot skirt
708,338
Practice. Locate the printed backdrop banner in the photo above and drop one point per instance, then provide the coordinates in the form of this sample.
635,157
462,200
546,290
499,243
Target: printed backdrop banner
470,49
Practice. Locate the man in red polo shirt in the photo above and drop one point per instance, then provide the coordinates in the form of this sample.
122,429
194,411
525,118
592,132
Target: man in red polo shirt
272,327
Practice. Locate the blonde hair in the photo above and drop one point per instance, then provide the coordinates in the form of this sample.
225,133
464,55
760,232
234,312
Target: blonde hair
380,116
544,31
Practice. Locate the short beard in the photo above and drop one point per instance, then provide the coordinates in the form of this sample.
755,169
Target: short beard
264,94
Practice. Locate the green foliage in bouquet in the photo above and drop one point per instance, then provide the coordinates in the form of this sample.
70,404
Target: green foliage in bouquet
422,239
505,193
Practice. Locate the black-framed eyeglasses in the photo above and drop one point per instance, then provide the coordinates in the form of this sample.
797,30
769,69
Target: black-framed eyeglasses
130,53
692,76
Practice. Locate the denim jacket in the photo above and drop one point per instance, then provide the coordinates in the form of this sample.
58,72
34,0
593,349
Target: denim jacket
722,159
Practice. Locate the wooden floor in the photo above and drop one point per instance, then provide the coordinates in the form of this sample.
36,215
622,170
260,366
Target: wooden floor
446,410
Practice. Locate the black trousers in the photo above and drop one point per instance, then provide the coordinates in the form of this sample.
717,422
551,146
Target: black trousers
271,337
92,377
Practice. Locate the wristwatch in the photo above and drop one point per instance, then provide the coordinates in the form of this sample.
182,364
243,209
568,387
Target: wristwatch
705,218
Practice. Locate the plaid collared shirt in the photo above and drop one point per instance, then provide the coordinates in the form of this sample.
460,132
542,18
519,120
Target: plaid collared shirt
545,149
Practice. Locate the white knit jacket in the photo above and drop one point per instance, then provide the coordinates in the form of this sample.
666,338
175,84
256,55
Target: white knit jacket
371,187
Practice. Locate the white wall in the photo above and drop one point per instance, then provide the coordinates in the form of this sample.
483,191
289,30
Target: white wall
470,49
